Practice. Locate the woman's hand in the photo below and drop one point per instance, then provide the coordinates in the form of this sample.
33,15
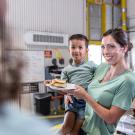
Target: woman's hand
79,92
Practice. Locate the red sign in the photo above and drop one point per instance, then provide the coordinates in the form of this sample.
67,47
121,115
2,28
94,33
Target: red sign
48,53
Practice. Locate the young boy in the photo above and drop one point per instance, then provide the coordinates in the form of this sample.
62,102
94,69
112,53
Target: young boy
79,72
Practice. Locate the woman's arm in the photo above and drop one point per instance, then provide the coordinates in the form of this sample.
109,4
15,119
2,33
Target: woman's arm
109,115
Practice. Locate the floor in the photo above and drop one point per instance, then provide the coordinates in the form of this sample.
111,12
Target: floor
55,121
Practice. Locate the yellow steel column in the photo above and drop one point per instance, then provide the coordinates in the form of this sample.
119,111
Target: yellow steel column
124,14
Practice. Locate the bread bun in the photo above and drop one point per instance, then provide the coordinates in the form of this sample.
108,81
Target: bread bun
58,83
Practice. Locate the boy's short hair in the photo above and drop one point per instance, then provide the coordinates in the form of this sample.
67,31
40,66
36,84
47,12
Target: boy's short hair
80,37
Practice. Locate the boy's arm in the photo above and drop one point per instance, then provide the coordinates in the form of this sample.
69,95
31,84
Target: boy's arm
64,76
94,66
67,99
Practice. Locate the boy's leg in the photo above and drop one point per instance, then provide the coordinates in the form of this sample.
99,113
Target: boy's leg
80,116
68,124
77,127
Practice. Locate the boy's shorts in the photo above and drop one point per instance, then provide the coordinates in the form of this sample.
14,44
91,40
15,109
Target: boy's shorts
78,106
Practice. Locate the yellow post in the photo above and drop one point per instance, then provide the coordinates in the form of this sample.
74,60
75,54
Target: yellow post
91,1
124,14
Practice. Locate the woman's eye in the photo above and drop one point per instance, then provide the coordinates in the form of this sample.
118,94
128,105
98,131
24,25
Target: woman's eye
107,46
102,47
112,46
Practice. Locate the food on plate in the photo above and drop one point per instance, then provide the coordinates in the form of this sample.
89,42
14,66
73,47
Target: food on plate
58,83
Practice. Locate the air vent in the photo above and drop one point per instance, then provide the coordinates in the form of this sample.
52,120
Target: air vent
45,38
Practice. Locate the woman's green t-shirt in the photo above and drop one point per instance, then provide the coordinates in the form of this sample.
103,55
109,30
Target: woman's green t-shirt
120,92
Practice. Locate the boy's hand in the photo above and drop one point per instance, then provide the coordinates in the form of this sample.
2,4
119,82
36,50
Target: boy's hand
67,99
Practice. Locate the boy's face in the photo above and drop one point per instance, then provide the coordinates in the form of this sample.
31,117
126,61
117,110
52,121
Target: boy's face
77,50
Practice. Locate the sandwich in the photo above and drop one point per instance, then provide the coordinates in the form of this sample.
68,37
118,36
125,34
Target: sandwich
58,83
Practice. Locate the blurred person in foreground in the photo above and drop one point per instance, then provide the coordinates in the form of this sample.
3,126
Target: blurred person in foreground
12,121
112,90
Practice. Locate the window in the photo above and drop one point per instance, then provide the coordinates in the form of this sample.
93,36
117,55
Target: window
101,16
95,21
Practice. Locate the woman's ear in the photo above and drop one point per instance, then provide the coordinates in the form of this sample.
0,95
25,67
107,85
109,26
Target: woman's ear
87,50
125,48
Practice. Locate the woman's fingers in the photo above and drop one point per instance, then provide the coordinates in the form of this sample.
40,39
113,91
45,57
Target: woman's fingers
79,92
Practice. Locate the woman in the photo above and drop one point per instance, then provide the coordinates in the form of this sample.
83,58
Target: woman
112,89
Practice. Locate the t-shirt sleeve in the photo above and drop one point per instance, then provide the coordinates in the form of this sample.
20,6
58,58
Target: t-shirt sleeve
93,65
124,95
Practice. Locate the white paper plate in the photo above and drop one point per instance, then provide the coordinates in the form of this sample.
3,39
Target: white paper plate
67,88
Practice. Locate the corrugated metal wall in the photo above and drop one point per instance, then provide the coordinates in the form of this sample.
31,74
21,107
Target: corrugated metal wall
58,16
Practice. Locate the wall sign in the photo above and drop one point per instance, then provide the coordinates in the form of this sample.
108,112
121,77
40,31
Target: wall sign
48,53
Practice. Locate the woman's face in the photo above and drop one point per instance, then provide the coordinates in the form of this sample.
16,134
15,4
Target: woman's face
112,51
